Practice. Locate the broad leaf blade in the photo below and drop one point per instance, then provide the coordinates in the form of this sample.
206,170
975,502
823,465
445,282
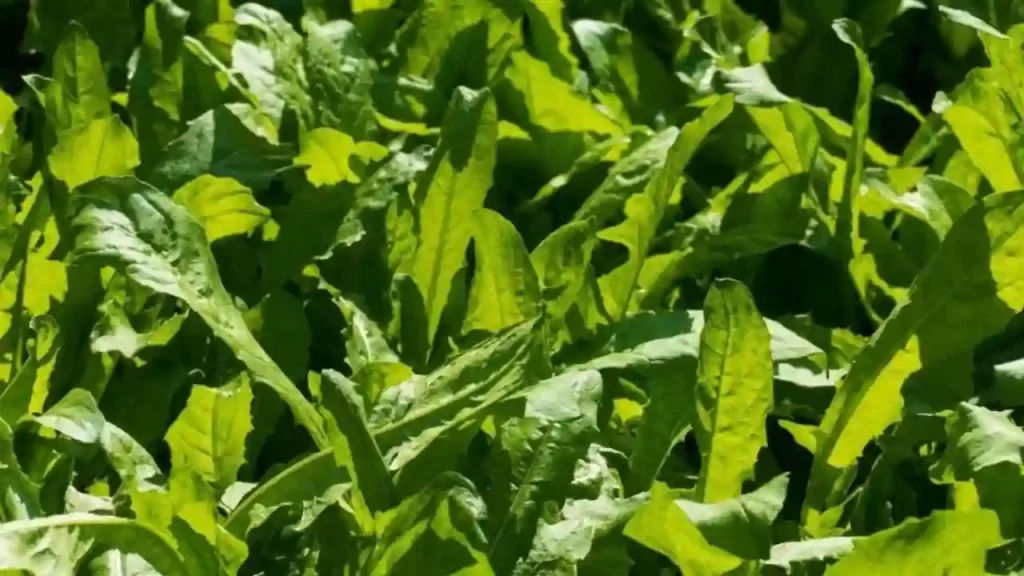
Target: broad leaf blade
734,394
449,192
124,222
505,291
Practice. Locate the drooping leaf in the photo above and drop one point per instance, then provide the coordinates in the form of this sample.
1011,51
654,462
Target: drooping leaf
662,526
541,449
27,544
123,221
742,525
222,206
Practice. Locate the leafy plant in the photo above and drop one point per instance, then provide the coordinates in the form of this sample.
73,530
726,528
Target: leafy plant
511,287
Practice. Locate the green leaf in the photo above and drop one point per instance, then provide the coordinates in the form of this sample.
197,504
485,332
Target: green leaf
669,413
505,290
549,103
449,193
629,176
124,222
480,376
985,448
849,242
435,531
29,544
984,146
114,331
220,144
75,416
540,451
209,435
103,147
26,393
734,392
22,500
449,406
222,206
560,262
80,93
791,131
645,211
662,526
742,525
966,293
560,546
790,557
303,480
327,154
156,90
946,542
651,340
354,446
48,25
374,365
339,77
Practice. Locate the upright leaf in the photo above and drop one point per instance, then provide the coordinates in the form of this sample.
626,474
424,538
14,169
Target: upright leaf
80,78
645,211
126,223
505,290
449,192
209,434
967,292
103,147
354,446
734,392
849,244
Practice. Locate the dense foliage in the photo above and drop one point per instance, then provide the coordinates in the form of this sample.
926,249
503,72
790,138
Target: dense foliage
511,287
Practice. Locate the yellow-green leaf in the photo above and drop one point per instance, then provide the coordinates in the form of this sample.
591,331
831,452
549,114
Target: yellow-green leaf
984,146
328,153
947,542
209,434
104,147
969,291
505,290
662,526
222,205
451,190
551,103
734,390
